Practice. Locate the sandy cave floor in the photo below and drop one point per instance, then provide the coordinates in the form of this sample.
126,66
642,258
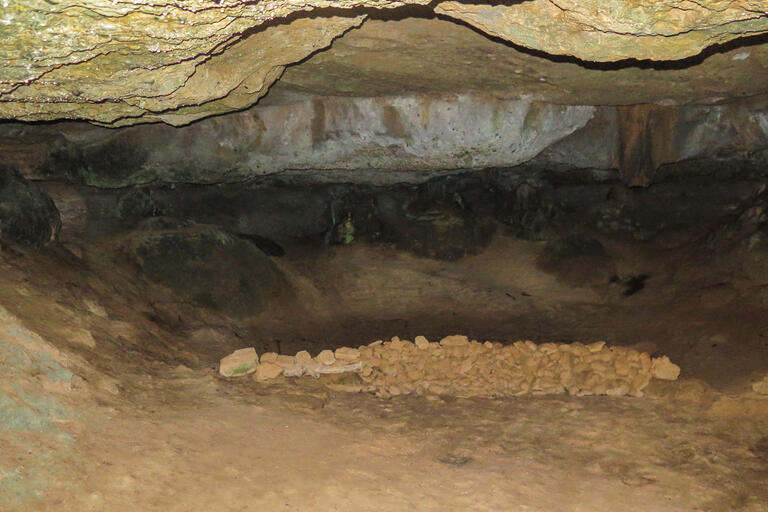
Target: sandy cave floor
179,438
195,443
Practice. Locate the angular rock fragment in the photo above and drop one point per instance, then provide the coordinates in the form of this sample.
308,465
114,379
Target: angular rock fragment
303,357
326,357
239,362
347,354
454,341
267,371
284,361
663,368
268,357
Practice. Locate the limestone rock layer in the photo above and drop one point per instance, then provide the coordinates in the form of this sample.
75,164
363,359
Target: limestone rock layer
611,30
119,62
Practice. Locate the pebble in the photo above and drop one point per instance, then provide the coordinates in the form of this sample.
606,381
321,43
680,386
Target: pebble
284,361
454,341
421,342
596,346
347,354
267,371
303,357
326,357
268,357
663,368
397,344
296,370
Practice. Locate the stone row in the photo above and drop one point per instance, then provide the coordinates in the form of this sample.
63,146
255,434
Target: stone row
460,367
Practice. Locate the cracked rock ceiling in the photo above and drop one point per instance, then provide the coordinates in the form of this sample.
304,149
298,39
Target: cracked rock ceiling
122,62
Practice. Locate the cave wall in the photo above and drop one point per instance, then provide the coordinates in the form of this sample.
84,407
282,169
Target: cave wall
389,140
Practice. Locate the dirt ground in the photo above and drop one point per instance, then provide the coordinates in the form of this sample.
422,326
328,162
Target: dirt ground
155,428
203,445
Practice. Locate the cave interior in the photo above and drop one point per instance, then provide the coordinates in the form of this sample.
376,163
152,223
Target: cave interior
359,256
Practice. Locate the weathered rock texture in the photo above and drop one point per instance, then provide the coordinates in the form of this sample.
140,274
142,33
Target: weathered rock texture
114,62
616,29
405,134
410,137
122,62
437,56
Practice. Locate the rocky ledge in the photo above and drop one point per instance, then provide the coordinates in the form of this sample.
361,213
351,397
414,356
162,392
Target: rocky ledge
119,62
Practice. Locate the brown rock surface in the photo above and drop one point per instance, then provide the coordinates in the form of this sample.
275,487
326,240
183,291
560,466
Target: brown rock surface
267,371
360,64
326,357
134,61
616,29
663,368
239,362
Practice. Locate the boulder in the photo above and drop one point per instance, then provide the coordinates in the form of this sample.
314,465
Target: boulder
207,267
27,215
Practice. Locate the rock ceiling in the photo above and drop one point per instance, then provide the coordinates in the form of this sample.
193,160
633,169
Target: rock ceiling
121,62
439,56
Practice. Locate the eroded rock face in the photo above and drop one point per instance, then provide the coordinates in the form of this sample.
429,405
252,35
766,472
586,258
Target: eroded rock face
390,139
131,61
178,65
328,134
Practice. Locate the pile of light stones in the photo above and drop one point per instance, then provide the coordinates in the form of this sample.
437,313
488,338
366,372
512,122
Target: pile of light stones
460,367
